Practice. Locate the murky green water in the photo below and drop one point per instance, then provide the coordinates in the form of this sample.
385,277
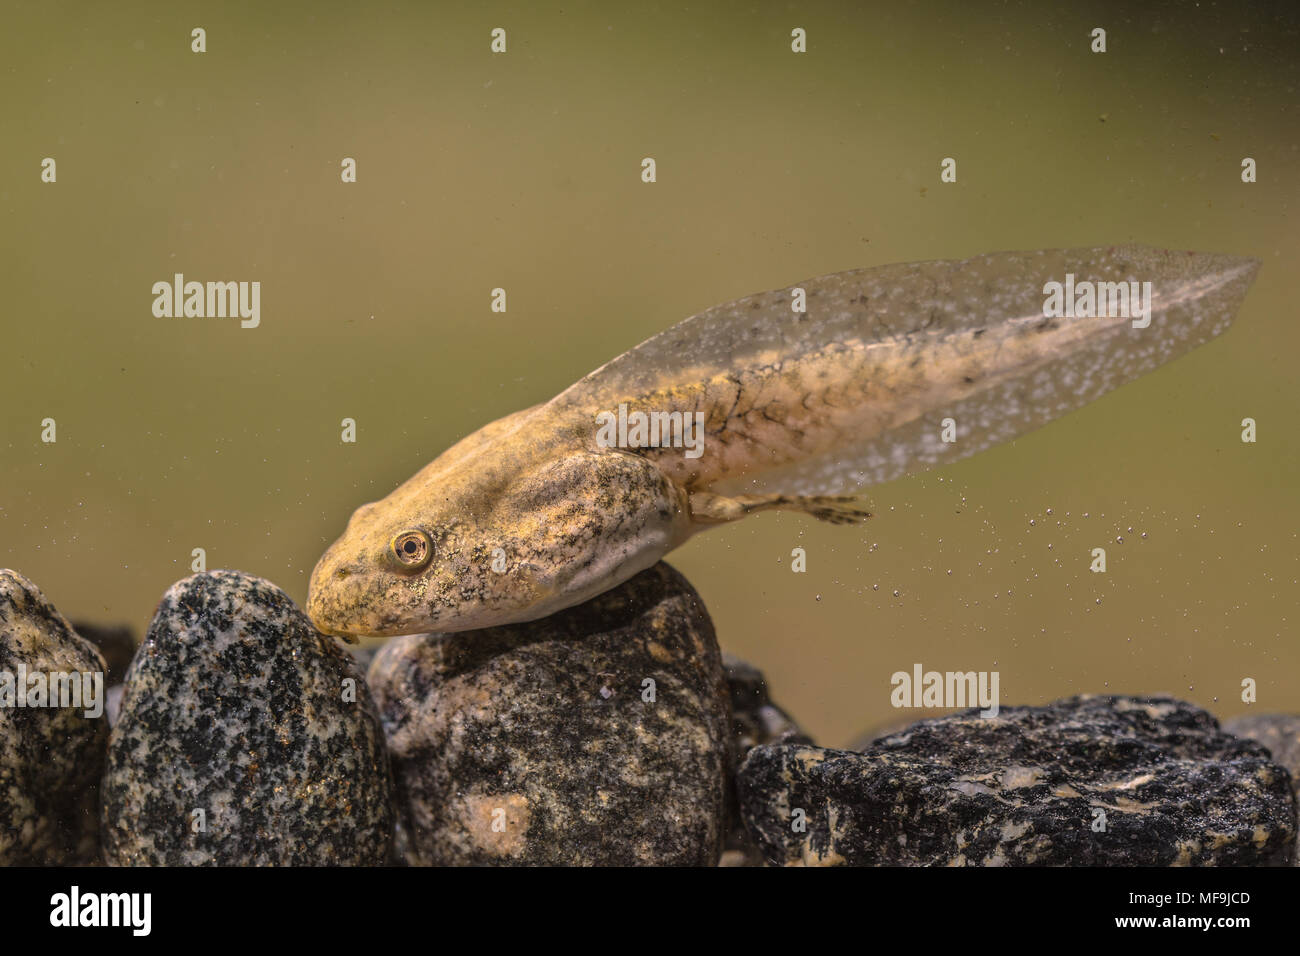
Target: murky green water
522,171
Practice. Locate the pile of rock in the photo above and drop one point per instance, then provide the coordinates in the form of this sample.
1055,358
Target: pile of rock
614,732
1087,781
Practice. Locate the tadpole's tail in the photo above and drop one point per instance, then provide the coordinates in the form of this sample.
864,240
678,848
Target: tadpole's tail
857,378
1011,369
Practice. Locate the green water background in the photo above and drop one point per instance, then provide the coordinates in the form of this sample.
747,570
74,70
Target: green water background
523,171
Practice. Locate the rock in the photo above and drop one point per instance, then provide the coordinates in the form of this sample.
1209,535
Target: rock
535,744
116,644
364,656
866,738
244,738
755,720
1026,788
400,854
50,757
113,706
1280,734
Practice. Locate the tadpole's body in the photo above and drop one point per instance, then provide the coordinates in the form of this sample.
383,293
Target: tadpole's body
535,512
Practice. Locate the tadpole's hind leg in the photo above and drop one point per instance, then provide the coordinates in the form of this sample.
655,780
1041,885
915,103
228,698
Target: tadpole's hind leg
708,508
835,509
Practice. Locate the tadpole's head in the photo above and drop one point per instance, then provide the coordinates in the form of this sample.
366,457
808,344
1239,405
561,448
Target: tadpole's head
391,573
508,540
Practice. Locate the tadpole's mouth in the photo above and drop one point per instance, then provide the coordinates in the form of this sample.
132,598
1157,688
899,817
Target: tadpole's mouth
341,635
344,600
322,619
325,606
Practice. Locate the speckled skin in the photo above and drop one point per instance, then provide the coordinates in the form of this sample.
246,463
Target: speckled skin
1280,733
235,705
1021,789
798,408
546,723
50,758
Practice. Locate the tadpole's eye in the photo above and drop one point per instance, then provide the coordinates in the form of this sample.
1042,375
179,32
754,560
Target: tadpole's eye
412,549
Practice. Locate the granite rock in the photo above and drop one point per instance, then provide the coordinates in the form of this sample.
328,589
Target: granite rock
364,656
1032,786
1280,734
866,738
755,719
113,704
245,737
598,735
50,757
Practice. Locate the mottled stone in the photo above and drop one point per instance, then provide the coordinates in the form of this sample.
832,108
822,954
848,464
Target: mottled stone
1280,734
755,720
364,656
866,738
1027,788
400,854
116,644
236,707
50,757
535,743
113,706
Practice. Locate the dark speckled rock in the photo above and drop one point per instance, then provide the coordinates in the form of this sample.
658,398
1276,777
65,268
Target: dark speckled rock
1024,788
1280,733
236,706
50,757
755,720
532,743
